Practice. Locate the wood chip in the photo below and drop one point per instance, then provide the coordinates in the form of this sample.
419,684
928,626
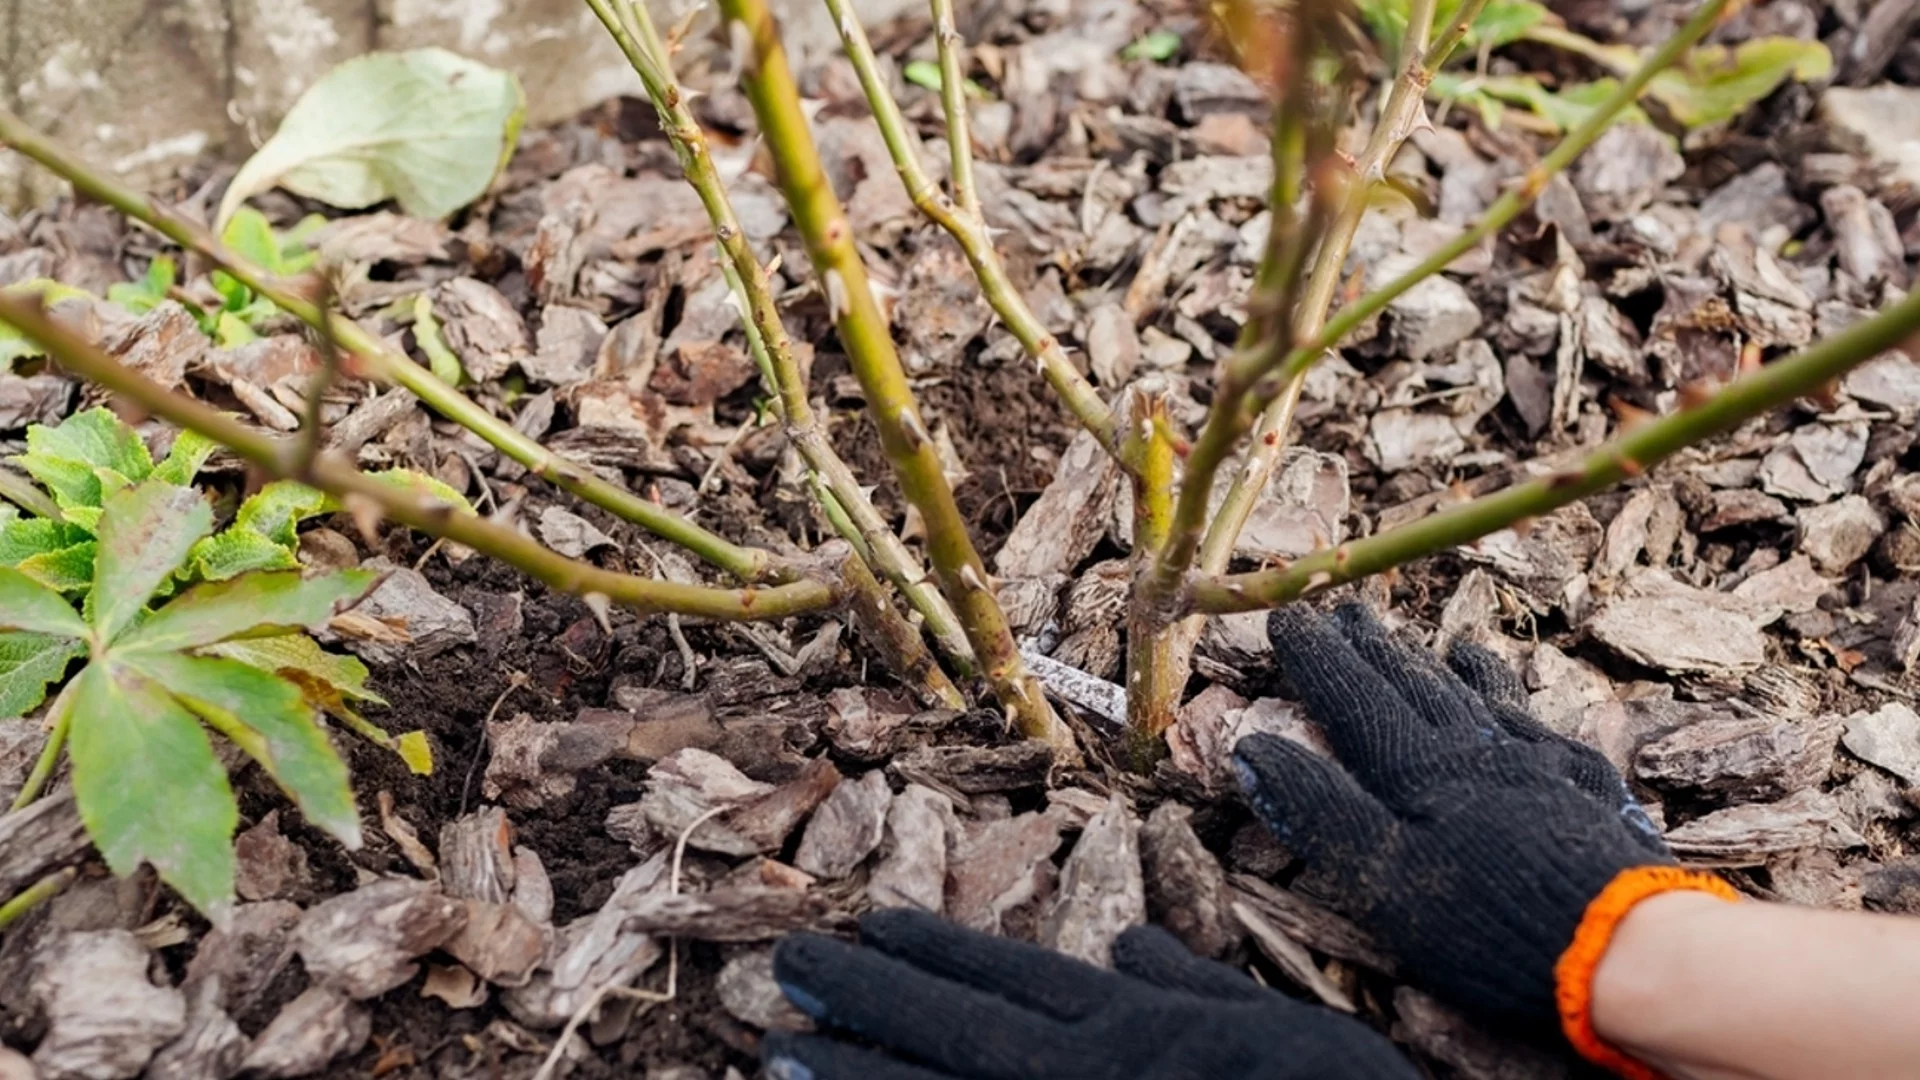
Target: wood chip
499,943
846,828
1748,835
317,1027
1291,957
477,858
747,990
39,839
1742,758
1888,737
1101,892
976,770
1446,1036
725,914
243,957
363,943
105,1017
1186,890
998,866
211,1048
912,868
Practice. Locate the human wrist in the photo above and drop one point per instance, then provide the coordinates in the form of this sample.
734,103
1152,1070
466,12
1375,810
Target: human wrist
1616,980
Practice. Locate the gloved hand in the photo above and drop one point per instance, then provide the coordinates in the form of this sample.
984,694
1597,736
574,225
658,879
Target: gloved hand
937,1001
1491,857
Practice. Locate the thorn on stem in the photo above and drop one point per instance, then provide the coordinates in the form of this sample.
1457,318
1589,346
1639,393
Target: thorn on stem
601,605
838,302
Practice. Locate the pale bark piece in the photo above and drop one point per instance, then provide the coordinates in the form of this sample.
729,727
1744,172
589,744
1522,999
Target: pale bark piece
748,991
592,951
846,828
1445,1035
161,344
243,957
1401,439
211,1048
1625,169
1792,588
319,1026
270,866
1429,318
1749,835
1618,729
425,623
499,943
1894,887
105,1018
1291,957
455,985
758,914
1888,737
1310,924
570,534
1816,462
1186,890
481,327
477,858
38,839
33,399
1549,554
1743,758
1665,624
568,341
978,770
688,783
1061,528
912,869
532,888
1205,733
1102,891
1840,533
858,727
998,866
363,943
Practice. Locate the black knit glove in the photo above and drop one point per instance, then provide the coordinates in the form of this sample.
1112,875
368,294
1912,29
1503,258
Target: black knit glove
936,1001
1467,838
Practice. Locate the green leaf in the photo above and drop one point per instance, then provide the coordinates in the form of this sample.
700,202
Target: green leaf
1158,46
15,345
414,749
67,459
230,331
25,604
425,127
28,663
257,605
276,509
149,787
923,73
68,569
426,333
420,483
145,534
184,460
267,717
300,657
23,538
237,551
150,291
1713,83
250,235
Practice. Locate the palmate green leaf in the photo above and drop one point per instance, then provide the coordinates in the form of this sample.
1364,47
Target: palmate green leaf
300,658
237,551
149,787
23,538
25,604
275,509
1501,22
1713,83
425,127
28,663
253,605
267,717
421,484
68,569
184,460
72,459
145,534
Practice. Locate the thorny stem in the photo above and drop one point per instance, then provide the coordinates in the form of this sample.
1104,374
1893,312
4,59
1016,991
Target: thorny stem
969,230
868,341
359,492
901,646
633,30
1630,454
1283,376
1400,115
1158,655
36,894
953,102
317,387
380,362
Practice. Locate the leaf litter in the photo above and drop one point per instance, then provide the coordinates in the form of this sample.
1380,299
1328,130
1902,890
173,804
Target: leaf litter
1736,631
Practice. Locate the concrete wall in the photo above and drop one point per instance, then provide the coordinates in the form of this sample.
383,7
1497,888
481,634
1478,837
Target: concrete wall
142,86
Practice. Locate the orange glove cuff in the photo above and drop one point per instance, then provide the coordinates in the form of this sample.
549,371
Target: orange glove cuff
1573,974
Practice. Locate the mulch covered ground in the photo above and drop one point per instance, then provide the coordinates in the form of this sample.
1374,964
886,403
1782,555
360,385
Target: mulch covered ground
1736,630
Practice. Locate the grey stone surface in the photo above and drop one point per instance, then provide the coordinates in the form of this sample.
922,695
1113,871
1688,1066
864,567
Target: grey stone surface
143,88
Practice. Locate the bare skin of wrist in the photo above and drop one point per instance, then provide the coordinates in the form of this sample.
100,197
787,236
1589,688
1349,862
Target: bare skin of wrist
1703,989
